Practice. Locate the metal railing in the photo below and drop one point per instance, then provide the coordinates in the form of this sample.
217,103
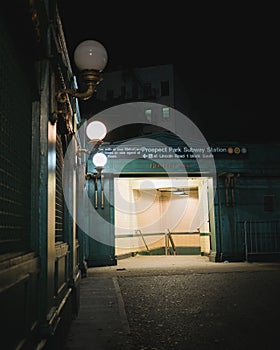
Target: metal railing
142,236
261,237
169,242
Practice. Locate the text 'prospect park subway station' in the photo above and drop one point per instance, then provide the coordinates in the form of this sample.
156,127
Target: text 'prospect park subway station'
164,152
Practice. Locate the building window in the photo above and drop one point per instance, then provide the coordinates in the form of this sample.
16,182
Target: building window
135,90
268,202
147,90
148,115
164,88
165,113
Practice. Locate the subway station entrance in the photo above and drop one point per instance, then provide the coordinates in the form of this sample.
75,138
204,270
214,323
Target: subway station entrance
163,197
163,215
152,206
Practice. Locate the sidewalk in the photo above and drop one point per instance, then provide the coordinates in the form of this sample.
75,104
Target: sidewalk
102,322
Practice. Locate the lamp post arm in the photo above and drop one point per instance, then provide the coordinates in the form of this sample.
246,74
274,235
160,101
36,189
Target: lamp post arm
61,95
91,78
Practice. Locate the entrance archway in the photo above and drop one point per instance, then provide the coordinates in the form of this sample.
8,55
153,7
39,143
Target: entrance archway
159,215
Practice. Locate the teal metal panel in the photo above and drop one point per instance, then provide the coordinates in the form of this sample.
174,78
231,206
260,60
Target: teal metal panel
101,236
248,205
19,293
179,251
150,166
81,235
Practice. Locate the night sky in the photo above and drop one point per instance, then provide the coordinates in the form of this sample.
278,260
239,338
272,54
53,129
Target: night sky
226,56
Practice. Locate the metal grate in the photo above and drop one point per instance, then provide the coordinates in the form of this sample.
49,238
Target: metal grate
261,237
15,149
59,201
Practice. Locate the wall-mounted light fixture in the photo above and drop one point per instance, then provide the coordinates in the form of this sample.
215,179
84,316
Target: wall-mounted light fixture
99,160
90,58
95,131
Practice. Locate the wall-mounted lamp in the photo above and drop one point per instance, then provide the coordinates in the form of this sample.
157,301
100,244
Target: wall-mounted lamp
95,131
99,160
90,58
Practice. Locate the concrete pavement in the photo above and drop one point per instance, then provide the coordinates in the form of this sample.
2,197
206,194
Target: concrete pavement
117,303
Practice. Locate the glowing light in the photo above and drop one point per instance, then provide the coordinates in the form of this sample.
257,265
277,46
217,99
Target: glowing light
96,130
90,54
99,160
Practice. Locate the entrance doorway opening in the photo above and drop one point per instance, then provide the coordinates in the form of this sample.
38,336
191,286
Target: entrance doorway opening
164,216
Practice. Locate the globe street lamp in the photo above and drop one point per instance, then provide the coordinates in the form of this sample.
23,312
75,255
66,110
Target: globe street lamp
90,57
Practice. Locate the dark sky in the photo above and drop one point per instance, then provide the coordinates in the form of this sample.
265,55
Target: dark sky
226,56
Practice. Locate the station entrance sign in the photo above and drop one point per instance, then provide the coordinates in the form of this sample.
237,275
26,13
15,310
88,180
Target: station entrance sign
173,152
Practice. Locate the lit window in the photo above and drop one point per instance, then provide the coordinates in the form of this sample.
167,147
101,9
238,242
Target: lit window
148,115
165,113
